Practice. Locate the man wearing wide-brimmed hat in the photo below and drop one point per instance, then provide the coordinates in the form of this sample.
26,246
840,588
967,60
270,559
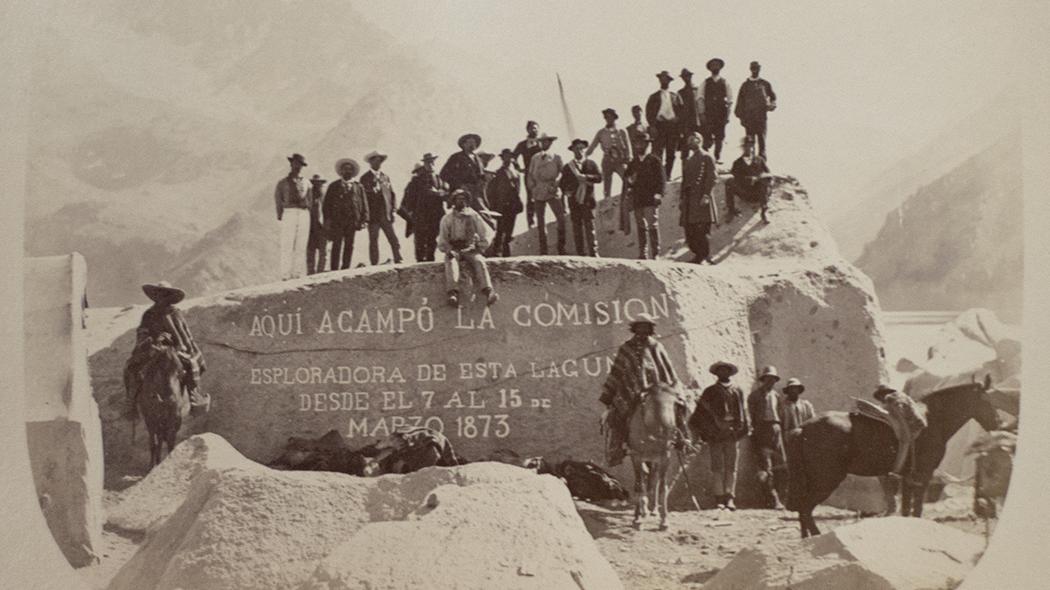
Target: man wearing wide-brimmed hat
317,244
722,420
663,111
716,98
578,178
542,179
616,150
462,238
464,169
425,204
697,209
345,211
163,325
382,205
767,442
640,363
794,411
291,198
504,192
646,183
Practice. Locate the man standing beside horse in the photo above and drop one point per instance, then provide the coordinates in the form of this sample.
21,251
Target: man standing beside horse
721,418
767,442
641,363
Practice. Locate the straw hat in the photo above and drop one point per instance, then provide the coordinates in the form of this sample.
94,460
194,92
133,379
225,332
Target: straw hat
163,291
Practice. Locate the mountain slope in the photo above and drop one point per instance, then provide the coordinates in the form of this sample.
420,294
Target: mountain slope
957,242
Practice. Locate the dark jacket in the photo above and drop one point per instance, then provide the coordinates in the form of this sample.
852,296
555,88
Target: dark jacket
645,179
754,100
716,101
722,414
747,175
462,170
698,178
382,202
568,183
425,202
526,148
504,191
345,205
652,107
691,107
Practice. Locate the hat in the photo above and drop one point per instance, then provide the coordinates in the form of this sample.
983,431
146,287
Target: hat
577,142
459,192
545,137
665,74
794,383
636,107
316,178
642,318
373,155
715,63
344,161
686,72
297,159
694,138
463,138
769,371
417,167
755,64
163,290
882,391
723,365
506,152
429,157
611,112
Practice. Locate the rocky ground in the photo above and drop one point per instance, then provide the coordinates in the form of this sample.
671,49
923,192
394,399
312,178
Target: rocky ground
695,548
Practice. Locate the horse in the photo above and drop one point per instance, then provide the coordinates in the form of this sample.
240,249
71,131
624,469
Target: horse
162,400
651,435
824,449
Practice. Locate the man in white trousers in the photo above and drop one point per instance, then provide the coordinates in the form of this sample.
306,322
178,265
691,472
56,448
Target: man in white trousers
293,214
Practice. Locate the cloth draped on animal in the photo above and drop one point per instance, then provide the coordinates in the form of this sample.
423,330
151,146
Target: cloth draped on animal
906,417
164,326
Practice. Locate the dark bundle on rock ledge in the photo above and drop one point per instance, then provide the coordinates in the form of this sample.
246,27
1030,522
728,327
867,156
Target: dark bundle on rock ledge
404,451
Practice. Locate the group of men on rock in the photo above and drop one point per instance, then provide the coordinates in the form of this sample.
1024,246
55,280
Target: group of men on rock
689,122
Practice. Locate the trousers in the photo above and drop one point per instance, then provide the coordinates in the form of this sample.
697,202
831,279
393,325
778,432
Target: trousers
426,244
612,166
557,206
373,240
295,233
477,263
504,235
342,246
316,253
666,143
647,220
583,230
697,237
756,130
723,466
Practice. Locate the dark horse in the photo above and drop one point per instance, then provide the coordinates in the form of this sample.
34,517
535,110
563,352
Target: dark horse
829,446
162,400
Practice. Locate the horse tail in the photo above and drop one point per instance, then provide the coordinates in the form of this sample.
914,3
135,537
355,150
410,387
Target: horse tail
798,483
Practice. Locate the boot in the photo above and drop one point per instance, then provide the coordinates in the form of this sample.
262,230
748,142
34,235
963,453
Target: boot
775,501
643,252
765,215
491,297
654,241
730,505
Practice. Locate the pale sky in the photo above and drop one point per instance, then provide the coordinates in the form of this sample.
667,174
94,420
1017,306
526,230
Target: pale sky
859,85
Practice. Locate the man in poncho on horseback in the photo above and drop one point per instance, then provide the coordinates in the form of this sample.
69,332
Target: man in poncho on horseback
162,326
640,363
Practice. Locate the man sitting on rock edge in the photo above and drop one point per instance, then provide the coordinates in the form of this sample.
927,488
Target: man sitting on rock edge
464,236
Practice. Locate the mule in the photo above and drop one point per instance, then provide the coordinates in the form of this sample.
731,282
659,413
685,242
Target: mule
651,436
162,400
834,444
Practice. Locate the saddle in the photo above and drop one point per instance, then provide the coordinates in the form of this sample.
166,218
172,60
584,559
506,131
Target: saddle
902,428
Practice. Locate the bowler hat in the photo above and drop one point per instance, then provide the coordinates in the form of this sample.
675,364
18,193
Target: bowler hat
715,64
794,383
665,74
506,152
686,72
347,162
723,365
882,391
316,179
769,371
429,157
755,64
463,138
611,112
643,318
577,142
373,155
297,159
163,290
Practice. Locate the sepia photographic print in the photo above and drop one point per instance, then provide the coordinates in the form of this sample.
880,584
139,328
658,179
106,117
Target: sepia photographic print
337,294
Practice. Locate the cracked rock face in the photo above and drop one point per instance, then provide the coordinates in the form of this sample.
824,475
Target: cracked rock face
371,350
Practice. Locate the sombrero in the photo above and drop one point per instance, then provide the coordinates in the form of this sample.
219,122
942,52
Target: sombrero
723,364
353,165
163,290
373,155
465,136
643,318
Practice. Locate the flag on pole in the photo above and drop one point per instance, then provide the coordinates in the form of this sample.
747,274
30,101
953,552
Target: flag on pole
565,109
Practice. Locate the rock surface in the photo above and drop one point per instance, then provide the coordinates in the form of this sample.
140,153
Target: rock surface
893,553
249,526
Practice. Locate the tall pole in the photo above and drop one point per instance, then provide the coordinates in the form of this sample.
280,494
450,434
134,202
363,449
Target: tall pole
565,109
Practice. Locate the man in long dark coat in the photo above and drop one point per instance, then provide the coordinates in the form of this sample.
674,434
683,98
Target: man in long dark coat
345,210
382,205
753,104
716,96
578,178
698,211
722,420
425,204
646,183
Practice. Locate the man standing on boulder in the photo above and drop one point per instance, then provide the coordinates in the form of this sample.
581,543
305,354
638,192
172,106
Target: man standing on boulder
662,111
345,211
526,149
616,151
716,97
697,207
425,203
750,181
692,110
317,243
754,102
640,363
505,197
646,183
723,420
542,180
291,197
382,204
767,441
578,178
463,237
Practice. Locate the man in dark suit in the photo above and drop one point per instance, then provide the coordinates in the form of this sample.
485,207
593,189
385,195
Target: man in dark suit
526,149
646,183
578,178
504,192
750,181
663,111
425,205
692,109
755,100
317,243
464,169
696,206
716,97
382,204
345,210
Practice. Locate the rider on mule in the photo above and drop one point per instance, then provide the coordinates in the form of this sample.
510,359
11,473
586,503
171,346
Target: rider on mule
640,363
163,325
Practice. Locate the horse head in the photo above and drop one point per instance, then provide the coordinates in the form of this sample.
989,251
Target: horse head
984,411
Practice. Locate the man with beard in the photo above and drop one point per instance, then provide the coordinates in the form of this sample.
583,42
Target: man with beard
716,97
425,205
382,204
578,178
526,149
663,112
345,210
463,236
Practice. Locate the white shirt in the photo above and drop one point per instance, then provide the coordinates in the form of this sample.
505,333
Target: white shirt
666,112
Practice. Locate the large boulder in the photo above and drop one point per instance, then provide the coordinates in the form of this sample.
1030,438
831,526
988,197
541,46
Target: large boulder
251,526
893,553
370,350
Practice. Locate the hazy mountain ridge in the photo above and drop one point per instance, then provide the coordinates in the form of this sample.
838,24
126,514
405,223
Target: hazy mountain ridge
956,242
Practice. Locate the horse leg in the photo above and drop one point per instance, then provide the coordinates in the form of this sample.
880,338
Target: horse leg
907,498
653,487
811,524
918,497
889,495
662,492
639,491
